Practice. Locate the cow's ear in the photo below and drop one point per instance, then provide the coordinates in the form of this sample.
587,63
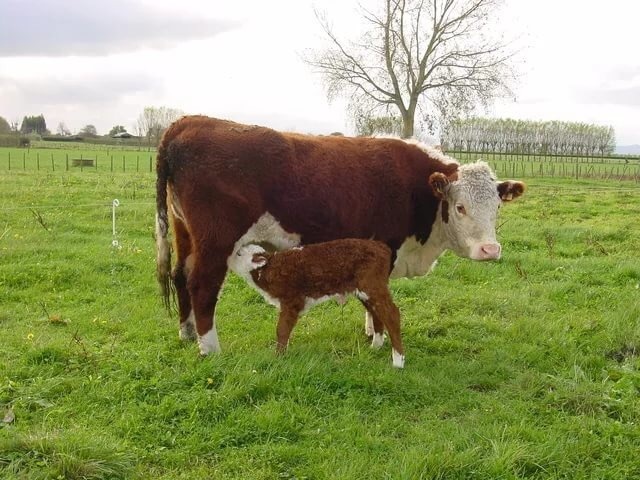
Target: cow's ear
510,190
439,183
259,260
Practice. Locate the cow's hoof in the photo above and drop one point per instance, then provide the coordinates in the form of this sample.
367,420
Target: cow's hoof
209,342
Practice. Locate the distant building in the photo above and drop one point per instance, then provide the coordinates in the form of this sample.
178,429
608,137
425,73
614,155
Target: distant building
122,135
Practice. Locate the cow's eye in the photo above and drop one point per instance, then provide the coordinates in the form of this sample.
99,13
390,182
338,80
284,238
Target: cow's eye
460,209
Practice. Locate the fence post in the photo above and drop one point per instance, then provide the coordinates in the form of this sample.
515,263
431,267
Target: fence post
67,162
53,165
150,163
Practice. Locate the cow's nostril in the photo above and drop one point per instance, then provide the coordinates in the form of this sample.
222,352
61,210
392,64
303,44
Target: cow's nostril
491,249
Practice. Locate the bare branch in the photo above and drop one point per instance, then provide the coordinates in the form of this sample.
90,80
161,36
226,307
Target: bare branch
432,56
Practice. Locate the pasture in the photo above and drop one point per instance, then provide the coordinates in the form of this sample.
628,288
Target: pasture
523,368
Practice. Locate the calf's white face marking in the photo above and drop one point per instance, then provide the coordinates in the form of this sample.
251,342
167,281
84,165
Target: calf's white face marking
268,230
241,262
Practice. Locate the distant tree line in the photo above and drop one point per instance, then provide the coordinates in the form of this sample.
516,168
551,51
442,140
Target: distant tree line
149,127
34,124
526,136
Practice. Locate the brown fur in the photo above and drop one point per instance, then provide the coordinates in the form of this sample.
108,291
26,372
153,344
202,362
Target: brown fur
331,268
226,175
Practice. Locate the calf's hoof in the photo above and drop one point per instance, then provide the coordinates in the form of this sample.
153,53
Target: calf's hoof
398,359
377,341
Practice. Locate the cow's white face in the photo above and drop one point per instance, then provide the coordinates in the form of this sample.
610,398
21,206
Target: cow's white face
469,209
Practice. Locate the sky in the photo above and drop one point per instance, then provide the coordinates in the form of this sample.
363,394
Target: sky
101,63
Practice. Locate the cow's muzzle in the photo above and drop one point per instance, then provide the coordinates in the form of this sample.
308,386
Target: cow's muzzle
487,251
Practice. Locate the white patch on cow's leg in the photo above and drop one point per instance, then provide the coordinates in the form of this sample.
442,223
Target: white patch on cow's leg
368,325
209,342
378,340
188,328
397,358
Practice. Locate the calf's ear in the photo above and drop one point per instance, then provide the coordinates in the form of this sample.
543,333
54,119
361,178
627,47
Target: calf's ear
510,190
439,183
258,260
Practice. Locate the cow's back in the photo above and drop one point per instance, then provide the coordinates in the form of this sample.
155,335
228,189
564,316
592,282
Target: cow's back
319,187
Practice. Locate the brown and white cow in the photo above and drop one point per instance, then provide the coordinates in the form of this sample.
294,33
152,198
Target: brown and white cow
224,185
294,280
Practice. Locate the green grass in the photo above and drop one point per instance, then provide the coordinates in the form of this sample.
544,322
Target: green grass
523,368
49,159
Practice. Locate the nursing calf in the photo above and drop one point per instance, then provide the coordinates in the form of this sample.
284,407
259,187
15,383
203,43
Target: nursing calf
222,185
295,280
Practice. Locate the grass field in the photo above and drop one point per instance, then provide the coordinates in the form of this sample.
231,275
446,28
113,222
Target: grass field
523,368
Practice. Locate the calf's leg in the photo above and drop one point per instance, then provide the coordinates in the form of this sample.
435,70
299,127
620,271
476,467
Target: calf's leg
384,308
289,313
377,326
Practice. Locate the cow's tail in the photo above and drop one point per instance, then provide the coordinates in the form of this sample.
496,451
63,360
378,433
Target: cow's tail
163,248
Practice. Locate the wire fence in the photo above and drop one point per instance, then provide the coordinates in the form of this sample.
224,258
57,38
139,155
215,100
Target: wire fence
31,160
516,165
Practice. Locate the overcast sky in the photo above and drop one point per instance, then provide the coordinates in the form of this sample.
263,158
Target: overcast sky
101,63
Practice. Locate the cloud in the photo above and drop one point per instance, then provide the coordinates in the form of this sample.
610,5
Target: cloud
64,27
617,86
90,90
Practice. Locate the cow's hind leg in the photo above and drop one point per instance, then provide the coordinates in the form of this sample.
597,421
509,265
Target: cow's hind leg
204,284
180,274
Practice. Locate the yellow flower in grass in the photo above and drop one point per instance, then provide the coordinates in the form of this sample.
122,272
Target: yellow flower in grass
30,336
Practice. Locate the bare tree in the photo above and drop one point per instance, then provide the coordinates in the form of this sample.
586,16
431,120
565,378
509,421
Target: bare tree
153,121
62,129
433,57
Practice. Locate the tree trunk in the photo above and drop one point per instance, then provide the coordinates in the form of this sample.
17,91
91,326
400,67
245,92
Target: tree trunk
407,125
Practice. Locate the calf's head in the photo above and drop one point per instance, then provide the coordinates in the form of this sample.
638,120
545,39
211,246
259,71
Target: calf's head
470,199
247,258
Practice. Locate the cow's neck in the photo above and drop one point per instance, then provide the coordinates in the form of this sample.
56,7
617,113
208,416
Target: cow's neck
414,258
